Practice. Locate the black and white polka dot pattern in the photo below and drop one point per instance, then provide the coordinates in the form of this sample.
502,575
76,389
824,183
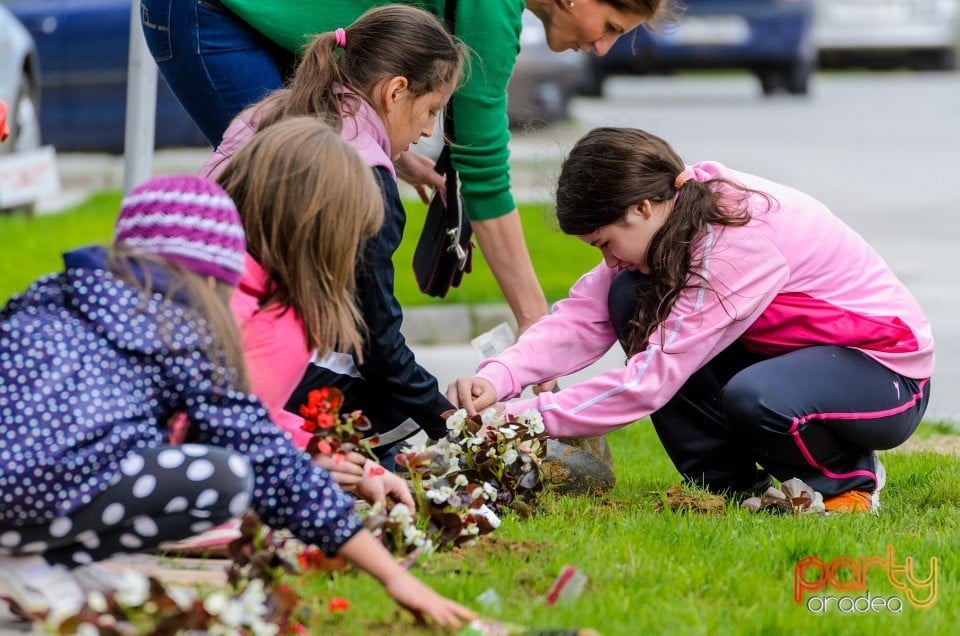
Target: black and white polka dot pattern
134,514
89,374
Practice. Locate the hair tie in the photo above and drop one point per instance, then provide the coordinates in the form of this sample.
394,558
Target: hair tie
682,178
341,37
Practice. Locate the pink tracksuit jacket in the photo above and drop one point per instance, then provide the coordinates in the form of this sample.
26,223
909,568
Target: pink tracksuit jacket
793,277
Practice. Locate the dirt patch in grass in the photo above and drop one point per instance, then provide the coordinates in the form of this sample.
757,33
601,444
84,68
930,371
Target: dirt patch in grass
683,499
947,444
492,546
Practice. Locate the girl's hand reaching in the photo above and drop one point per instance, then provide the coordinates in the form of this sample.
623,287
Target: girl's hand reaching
379,482
368,554
471,393
366,478
347,471
425,604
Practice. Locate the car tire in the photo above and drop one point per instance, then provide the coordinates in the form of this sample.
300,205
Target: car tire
793,78
944,60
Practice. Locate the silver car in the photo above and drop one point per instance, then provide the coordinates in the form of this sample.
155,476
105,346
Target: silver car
543,81
19,84
919,34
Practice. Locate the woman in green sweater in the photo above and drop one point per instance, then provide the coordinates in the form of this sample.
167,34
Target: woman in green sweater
220,56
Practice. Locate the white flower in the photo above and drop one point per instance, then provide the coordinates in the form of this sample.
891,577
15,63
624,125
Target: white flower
439,495
182,596
508,432
232,613
253,600
215,603
461,481
490,416
400,513
133,589
533,420
259,627
510,456
470,529
489,490
488,514
473,442
87,629
531,446
413,449
97,601
457,422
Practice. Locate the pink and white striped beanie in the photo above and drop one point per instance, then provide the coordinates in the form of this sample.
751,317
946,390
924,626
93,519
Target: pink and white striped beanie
188,220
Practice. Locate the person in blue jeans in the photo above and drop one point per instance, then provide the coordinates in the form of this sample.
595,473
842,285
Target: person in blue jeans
221,57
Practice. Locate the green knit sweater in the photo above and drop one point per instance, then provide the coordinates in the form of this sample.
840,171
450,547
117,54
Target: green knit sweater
491,28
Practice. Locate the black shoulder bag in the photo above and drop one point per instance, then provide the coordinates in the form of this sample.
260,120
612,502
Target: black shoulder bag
444,251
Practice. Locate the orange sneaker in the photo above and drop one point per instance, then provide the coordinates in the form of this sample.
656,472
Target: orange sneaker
859,501
850,501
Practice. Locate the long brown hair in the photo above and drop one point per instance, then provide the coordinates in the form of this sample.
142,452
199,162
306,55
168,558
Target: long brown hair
307,202
221,342
610,169
384,42
653,12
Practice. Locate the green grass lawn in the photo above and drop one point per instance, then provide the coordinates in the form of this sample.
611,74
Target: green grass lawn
654,572
650,572
31,248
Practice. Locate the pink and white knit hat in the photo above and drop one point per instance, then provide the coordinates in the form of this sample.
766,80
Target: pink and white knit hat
188,220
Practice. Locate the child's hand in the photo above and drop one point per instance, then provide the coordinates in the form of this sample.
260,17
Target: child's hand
347,471
425,604
368,554
418,171
471,393
378,482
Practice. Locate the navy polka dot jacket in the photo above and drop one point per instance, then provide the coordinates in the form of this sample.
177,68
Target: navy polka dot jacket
90,373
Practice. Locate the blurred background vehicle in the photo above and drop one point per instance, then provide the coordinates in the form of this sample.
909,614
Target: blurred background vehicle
881,34
771,38
543,81
83,54
19,84
83,47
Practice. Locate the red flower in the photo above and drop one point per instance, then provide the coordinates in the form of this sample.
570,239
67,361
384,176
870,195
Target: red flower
325,420
310,559
338,604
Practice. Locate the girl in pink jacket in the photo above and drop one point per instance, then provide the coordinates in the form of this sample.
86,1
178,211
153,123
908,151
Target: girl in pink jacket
759,328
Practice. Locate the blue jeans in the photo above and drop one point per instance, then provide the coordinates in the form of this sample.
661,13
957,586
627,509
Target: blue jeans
215,63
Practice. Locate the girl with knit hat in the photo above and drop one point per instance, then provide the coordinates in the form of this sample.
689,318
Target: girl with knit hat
764,337
97,357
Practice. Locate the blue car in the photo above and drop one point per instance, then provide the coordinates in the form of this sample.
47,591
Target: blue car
771,38
82,47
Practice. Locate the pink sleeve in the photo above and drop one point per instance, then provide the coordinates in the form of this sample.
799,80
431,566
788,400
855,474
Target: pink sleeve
742,281
575,335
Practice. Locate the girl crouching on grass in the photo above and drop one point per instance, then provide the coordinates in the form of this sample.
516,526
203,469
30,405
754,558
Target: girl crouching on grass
96,358
764,336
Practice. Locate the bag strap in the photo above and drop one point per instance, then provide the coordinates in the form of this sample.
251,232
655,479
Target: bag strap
445,160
